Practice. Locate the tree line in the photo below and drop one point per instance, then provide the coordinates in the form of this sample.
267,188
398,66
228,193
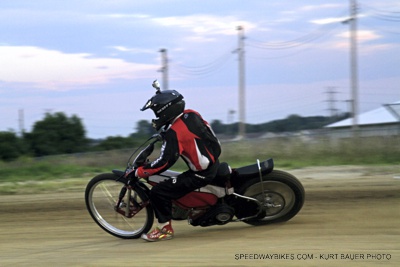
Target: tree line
292,123
59,134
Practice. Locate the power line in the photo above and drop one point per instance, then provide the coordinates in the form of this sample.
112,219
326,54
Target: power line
318,33
376,27
386,15
203,70
304,49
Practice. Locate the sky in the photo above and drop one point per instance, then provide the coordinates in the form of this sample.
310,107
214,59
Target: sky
97,59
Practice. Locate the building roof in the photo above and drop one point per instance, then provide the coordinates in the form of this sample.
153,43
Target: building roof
387,114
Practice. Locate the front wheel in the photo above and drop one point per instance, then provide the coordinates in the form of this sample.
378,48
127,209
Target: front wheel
101,197
281,194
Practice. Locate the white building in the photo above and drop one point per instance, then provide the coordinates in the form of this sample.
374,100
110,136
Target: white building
383,121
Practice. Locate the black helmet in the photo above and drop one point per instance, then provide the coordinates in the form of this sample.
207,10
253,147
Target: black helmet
166,105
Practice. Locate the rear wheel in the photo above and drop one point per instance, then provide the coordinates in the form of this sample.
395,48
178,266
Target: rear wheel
281,194
101,197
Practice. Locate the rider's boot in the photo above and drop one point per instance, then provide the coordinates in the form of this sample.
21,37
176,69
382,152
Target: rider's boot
161,232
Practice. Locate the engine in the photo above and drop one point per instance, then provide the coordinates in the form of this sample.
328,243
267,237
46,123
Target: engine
218,214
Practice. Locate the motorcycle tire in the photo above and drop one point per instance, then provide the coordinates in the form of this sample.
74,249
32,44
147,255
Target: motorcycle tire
101,197
282,196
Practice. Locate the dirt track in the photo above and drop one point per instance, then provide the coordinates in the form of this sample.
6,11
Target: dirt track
350,218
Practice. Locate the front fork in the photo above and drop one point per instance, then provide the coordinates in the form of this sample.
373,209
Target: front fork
130,206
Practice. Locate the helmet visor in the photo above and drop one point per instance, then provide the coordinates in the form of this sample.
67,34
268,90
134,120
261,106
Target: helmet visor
148,104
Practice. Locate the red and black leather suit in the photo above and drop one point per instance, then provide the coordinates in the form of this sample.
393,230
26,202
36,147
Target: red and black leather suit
191,138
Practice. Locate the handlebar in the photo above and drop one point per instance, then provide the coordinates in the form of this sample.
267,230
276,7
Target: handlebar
142,156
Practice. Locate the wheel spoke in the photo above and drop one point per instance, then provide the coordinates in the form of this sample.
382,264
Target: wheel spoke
278,198
108,194
280,193
102,196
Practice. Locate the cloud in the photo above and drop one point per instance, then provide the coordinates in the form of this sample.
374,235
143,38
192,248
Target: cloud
121,16
206,24
315,9
329,20
340,19
365,44
55,70
362,35
312,8
133,50
200,24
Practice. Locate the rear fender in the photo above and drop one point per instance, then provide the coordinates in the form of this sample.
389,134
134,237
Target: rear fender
243,174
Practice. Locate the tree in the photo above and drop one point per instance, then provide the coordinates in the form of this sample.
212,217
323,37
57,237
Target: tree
57,134
144,128
10,146
116,142
218,127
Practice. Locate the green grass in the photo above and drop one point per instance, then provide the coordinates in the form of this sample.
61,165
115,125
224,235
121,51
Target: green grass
62,172
42,171
294,153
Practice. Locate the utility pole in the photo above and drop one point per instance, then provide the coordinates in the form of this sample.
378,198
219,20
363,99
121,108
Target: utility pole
242,98
229,121
349,106
164,68
352,21
331,101
353,63
21,121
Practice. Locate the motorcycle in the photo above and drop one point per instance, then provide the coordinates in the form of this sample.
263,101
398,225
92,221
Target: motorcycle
255,194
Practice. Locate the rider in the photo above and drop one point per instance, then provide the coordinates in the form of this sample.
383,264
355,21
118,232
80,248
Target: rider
186,135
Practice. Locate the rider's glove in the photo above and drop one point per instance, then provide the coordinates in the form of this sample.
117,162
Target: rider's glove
132,171
141,173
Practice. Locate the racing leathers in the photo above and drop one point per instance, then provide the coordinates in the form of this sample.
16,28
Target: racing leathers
191,138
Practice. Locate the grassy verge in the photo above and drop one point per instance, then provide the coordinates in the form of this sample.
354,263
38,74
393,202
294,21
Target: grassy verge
295,153
72,172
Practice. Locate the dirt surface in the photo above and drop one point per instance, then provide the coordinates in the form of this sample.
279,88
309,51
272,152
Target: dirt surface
351,217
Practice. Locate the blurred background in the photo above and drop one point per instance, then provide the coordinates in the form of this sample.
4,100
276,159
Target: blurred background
74,74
